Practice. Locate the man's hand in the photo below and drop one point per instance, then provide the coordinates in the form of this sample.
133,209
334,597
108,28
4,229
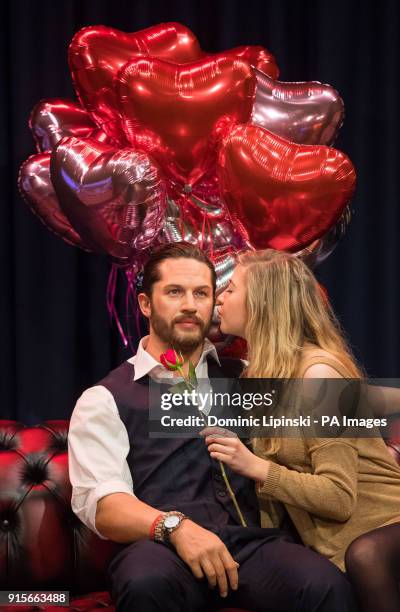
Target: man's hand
206,554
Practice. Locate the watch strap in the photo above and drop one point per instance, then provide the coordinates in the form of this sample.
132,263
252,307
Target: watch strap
154,525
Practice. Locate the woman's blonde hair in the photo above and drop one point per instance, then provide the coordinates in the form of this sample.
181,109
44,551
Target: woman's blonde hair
286,308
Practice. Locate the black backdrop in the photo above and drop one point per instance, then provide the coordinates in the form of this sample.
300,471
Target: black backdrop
56,337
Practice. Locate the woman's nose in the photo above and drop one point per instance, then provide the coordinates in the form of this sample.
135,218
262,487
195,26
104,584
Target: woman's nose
220,300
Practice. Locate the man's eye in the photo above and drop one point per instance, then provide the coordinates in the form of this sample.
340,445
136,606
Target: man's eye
173,291
202,293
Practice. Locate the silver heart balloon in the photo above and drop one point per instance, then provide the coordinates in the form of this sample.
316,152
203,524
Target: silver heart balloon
207,233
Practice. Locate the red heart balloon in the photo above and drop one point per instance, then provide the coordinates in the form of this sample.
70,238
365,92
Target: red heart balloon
37,190
177,112
97,53
259,57
280,194
114,198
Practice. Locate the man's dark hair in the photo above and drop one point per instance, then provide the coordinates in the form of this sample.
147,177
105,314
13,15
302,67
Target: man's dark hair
174,250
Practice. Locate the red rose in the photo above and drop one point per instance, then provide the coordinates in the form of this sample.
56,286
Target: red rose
171,360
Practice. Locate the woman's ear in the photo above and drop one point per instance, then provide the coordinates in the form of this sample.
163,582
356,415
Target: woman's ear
144,304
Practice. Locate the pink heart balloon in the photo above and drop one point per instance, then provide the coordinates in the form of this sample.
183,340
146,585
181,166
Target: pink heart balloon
306,113
52,119
36,188
114,198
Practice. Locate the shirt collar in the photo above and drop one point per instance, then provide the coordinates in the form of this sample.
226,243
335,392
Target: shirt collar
145,364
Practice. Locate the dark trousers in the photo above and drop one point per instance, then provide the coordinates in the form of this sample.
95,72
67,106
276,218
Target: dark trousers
275,574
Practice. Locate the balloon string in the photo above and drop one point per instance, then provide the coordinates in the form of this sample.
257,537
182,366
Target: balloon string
211,240
110,299
181,220
110,291
131,305
128,279
203,229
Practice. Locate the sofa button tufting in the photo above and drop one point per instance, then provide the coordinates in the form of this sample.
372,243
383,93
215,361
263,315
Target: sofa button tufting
36,471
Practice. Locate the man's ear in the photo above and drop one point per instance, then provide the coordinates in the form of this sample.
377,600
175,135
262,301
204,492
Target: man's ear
144,304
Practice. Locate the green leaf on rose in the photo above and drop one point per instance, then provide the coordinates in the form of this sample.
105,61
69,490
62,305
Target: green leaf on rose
179,388
192,374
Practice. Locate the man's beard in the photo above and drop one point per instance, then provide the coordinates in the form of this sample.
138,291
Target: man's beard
184,341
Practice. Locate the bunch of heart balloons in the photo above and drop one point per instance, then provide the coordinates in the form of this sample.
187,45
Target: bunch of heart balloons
171,143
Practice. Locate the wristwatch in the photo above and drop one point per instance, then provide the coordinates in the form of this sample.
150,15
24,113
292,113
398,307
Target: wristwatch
167,524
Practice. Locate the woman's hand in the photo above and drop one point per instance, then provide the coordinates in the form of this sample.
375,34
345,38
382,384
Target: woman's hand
224,445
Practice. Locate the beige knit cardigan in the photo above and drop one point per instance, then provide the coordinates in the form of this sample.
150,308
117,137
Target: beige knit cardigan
333,489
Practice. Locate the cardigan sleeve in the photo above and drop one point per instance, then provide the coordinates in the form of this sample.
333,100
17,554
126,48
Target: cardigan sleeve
329,491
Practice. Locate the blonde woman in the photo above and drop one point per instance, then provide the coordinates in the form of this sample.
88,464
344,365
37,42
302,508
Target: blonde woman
343,495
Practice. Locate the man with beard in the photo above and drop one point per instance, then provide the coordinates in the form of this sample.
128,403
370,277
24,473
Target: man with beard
164,499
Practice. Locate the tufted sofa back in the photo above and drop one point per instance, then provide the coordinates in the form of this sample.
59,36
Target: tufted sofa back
42,542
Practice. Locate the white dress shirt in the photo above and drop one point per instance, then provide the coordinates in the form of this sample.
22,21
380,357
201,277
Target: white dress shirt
98,442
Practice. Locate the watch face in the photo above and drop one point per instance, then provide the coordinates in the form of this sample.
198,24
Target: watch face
171,521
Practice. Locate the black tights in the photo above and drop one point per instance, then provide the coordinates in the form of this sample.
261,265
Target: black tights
373,566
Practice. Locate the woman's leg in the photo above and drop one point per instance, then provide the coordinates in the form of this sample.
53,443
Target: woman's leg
373,566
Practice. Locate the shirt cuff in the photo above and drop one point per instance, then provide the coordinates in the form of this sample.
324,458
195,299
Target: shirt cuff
270,484
103,489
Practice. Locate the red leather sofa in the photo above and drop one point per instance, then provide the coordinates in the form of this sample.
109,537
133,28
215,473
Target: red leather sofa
43,545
